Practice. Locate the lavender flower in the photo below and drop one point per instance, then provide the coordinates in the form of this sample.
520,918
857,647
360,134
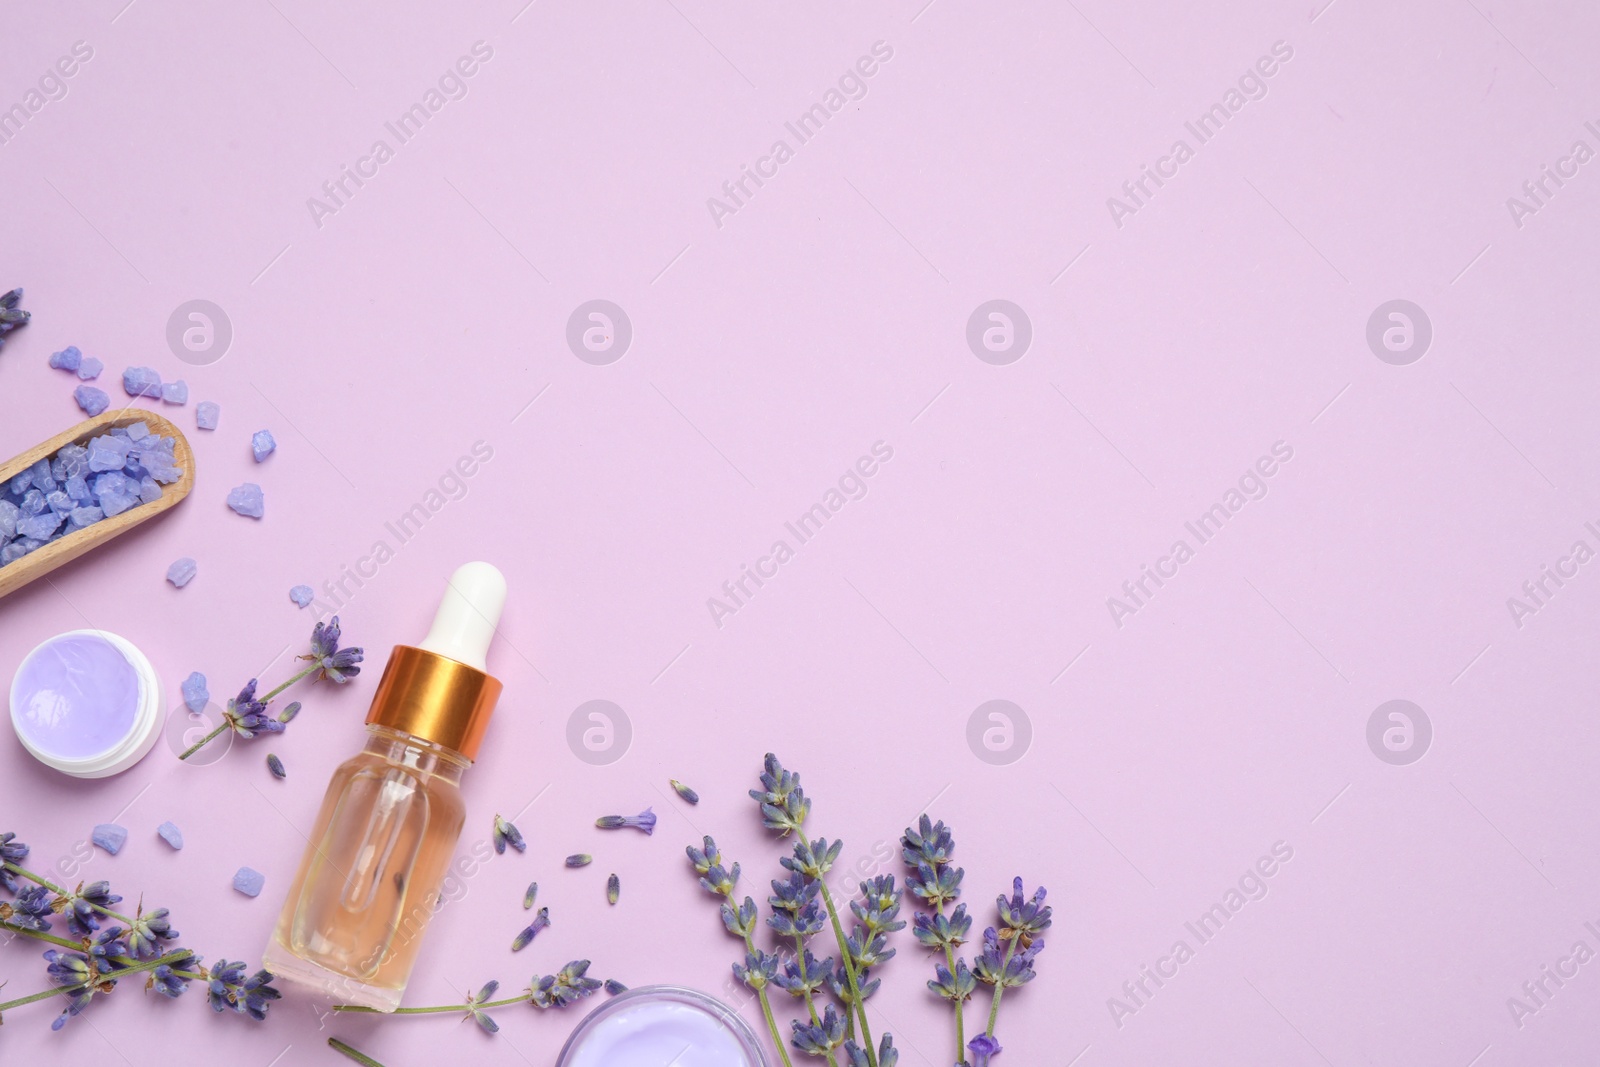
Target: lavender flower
247,716
814,859
229,988
802,976
524,939
12,317
856,1056
645,820
73,971
983,1049
146,933
172,979
784,805
796,908
1024,920
475,1010
82,907
820,1038
758,969
957,987
105,946
942,931
31,910
12,852
507,834
567,986
332,662
1005,968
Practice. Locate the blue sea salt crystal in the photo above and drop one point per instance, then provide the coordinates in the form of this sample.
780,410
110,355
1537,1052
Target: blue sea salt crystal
41,526
249,882
247,500
182,571
9,514
149,491
72,459
302,595
78,489
78,518
195,693
12,552
89,368
175,392
59,501
41,476
206,414
136,431
109,836
171,835
32,502
69,358
262,445
141,381
107,453
93,401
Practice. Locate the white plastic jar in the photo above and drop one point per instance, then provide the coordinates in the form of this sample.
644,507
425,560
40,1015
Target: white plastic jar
86,702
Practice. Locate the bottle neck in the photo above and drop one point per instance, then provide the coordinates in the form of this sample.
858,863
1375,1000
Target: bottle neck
408,750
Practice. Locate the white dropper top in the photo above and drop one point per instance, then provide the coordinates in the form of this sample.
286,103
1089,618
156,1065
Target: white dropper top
468,615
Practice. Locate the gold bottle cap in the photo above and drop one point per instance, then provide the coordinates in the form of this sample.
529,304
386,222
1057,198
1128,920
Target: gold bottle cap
435,698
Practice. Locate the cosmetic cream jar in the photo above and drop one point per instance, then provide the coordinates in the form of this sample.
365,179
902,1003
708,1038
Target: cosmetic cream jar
87,703
653,1025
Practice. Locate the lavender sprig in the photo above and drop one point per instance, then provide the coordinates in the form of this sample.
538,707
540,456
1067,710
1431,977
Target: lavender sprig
797,915
758,969
1021,922
927,851
95,958
246,714
784,809
562,989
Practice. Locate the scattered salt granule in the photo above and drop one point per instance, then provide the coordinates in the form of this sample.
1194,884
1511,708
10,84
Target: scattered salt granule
171,835
182,572
262,445
249,882
93,401
206,414
109,836
247,500
195,693
302,595
141,381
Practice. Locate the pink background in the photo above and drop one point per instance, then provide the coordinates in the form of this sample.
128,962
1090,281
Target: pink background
828,313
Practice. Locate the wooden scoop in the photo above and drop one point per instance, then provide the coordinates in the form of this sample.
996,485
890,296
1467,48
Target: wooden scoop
42,561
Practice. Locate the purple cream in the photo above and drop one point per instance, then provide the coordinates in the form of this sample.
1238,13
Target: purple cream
75,697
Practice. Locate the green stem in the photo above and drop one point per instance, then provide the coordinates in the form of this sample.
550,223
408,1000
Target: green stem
315,665
267,699
850,974
360,1057
136,968
438,1010
999,989
203,742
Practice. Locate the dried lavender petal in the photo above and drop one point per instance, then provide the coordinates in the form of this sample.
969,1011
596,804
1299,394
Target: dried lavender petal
275,765
614,987
579,859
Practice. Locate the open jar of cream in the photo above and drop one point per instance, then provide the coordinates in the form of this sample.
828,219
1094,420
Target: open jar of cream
654,1025
87,703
